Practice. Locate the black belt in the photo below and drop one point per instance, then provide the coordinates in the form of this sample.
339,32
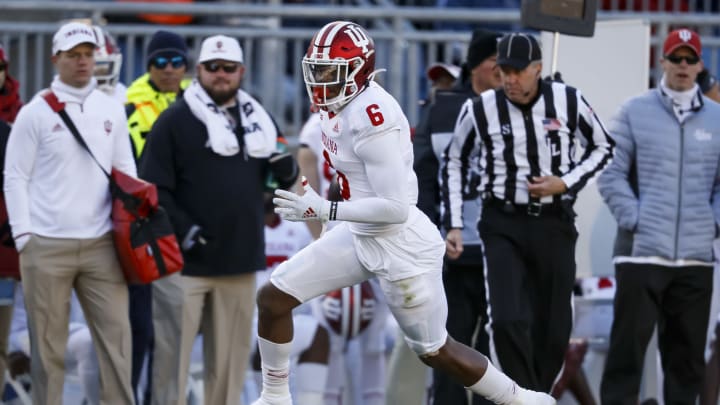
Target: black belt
533,209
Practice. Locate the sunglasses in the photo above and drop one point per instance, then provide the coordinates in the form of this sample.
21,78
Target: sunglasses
213,67
676,60
176,62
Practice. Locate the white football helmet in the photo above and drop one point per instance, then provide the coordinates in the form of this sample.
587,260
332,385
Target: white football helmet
338,64
108,60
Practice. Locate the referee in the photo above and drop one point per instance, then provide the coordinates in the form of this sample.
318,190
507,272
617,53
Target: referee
525,137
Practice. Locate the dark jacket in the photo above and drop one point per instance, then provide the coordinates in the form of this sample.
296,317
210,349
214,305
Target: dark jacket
223,195
432,135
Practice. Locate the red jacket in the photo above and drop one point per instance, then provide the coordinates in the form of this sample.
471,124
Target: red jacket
9,100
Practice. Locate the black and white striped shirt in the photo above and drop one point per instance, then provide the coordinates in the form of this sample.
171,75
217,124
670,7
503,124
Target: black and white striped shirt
515,142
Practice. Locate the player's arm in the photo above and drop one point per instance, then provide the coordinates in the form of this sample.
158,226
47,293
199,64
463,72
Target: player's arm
387,175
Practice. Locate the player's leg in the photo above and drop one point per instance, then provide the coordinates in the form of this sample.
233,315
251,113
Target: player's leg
309,354
326,264
418,303
410,275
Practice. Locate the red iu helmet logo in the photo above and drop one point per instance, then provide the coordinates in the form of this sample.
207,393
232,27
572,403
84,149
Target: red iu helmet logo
219,44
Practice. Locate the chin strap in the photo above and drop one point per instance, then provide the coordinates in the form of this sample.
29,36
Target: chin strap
371,76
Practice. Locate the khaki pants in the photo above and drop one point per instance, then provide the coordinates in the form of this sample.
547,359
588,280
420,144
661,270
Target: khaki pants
221,308
51,268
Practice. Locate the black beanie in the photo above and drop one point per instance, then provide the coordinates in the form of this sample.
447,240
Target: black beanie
165,43
483,44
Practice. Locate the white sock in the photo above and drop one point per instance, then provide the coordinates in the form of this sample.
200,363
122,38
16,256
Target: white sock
496,386
310,382
275,368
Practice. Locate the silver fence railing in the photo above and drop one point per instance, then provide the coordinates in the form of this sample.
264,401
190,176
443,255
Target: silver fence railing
274,50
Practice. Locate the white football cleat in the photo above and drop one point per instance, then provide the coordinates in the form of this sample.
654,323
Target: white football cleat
280,401
527,397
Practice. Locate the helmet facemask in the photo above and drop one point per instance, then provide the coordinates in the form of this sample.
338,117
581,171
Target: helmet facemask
107,70
331,84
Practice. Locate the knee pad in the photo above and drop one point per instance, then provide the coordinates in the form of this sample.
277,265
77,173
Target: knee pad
419,306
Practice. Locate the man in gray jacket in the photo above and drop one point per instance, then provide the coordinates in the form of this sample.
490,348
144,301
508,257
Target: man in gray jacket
663,189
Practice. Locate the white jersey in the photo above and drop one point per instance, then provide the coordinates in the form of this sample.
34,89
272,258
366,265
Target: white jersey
311,137
368,144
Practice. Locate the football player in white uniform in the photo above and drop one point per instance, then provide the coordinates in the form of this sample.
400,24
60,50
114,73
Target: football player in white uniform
366,138
356,316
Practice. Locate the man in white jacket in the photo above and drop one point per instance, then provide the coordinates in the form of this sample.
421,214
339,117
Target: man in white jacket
59,208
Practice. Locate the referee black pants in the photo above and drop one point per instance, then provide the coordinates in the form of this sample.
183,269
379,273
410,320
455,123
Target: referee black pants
678,300
530,271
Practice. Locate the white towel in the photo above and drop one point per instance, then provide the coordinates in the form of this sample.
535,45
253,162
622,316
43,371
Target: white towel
260,131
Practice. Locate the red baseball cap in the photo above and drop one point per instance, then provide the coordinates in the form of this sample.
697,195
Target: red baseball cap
682,37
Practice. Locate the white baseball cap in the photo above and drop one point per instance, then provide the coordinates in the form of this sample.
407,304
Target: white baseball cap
72,34
220,47
436,69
